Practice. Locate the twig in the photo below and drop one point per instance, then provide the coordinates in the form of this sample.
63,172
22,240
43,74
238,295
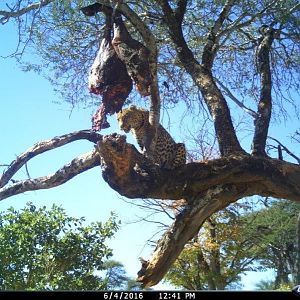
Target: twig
285,149
251,112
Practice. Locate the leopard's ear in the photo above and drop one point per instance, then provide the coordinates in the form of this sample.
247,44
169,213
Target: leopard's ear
133,107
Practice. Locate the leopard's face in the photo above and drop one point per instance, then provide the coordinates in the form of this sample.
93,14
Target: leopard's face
128,120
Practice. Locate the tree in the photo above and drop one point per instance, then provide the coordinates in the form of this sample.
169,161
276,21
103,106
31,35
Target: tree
274,227
228,53
44,249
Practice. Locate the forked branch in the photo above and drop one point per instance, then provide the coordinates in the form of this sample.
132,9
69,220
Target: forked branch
78,165
206,186
202,74
75,167
44,146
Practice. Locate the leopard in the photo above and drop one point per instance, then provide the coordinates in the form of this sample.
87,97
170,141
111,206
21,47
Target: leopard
166,153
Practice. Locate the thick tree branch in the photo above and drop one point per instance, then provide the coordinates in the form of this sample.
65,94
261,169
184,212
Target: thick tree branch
264,110
180,10
44,146
185,227
76,166
266,176
206,186
15,13
202,75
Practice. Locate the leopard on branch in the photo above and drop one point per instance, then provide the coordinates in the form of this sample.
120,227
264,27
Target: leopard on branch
167,153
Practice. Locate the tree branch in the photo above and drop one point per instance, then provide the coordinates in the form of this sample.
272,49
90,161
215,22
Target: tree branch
129,173
264,110
248,110
18,13
285,149
206,186
211,47
76,166
180,10
237,25
44,146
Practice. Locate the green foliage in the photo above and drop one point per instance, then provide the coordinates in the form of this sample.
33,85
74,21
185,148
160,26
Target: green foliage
274,229
268,285
66,42
44,249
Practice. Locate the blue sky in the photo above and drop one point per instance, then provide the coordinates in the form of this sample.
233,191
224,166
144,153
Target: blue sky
29,114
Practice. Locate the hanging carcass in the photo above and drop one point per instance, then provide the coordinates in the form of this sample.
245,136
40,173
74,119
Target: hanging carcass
108,75
133,54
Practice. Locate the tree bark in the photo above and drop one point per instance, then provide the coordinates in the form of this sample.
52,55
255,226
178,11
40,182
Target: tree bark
206,186
262,120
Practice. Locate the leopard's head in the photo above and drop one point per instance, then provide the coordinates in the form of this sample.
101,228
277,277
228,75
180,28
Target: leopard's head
130,118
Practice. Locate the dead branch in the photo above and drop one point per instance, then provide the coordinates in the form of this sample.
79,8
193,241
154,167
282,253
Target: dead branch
44,146
76,166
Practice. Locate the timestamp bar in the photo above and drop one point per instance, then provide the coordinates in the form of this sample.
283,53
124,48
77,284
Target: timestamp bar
151,295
